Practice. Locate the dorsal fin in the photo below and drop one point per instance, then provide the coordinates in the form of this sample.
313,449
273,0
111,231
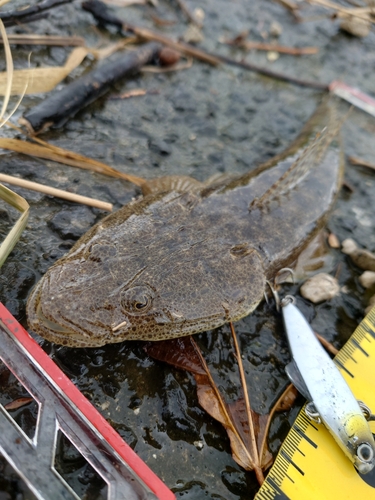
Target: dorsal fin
309,158
178,183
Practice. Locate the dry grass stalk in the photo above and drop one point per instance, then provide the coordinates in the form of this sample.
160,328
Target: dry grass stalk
60,155
9,71
13,236
363,13
32,39
360,162
59,193
110,49
41,79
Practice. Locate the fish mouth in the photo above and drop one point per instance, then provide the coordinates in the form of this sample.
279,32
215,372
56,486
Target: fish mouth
52,331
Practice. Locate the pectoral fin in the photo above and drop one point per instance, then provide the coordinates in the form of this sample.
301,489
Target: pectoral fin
296,378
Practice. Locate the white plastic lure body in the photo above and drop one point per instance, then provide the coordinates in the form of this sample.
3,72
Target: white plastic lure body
331,401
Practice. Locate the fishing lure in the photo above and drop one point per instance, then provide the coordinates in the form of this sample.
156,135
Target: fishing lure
330,400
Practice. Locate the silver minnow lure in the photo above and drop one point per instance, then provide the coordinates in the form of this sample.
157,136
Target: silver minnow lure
331,401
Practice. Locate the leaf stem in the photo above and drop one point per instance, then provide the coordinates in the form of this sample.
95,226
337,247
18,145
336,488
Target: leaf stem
253,443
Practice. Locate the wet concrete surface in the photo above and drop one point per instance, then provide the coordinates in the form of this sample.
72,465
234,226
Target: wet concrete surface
198,122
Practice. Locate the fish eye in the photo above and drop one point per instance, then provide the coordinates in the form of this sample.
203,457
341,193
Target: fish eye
137,300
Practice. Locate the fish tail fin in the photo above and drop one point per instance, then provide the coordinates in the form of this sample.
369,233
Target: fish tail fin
310,157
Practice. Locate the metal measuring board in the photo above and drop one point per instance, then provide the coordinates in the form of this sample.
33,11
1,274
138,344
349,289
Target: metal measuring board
310,465
63,408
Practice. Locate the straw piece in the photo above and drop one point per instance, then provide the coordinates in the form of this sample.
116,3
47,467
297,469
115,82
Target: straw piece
32,39
56,192
20,204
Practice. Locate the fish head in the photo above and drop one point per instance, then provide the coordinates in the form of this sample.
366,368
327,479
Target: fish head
135,282
361,443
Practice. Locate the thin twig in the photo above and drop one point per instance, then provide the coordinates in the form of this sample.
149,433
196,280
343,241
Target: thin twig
103,14
282,49
275,74
327,345
220,399
257,465
56,192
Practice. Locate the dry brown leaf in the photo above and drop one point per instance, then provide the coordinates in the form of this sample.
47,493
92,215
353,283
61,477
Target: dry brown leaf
17,403
184,353
42,79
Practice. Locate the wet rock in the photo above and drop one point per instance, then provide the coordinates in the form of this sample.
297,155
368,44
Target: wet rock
360,257
72,222
320,287
160,147
367,279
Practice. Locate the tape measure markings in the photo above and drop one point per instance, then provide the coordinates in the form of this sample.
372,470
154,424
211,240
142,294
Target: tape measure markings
304,471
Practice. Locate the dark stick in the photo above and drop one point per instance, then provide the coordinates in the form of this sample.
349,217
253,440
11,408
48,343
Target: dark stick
56,109
103,15
30,13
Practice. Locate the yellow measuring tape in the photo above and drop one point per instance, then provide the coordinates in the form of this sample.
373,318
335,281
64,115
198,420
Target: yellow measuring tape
310,465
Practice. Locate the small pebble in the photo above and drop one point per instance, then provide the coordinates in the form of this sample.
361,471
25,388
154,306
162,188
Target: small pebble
198,444
199,15
320,287
367,279
333,241
272,55
362,258
349,246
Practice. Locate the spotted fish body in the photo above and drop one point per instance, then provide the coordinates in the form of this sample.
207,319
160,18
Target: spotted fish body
182,260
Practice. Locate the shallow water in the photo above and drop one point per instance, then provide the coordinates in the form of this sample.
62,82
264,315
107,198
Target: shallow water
197,122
